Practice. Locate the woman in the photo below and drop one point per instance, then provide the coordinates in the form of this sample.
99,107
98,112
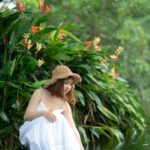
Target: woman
49,124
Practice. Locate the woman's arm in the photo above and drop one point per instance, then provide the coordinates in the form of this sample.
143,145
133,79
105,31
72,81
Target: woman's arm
31,111
68,115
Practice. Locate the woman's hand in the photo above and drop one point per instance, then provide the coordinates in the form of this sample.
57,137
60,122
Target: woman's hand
49,115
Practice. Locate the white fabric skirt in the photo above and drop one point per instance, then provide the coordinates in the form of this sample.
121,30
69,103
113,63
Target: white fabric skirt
41,134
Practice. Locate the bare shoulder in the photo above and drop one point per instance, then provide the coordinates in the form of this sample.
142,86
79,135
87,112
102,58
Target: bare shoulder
35,99
38,93
40,90
67,107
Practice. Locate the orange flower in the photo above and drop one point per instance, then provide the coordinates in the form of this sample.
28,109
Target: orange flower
29,44
96,41
113,73
61,35
88,44
34,29
113,70
41,4
47,9
25,42
119,50
116,75
114,57
21,7
97,47
26,37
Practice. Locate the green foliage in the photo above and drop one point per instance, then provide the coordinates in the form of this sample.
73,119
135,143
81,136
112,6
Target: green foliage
117,22
106,107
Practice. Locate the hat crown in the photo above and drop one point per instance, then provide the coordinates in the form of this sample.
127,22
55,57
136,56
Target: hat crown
61,71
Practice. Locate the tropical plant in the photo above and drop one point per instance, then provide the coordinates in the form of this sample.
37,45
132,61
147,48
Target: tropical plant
31,47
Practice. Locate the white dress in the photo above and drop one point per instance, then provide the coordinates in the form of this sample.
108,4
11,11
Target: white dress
41,134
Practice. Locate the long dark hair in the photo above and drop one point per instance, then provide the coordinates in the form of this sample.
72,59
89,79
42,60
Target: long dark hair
56,89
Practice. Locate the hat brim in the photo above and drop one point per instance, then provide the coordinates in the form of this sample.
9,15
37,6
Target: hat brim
76,78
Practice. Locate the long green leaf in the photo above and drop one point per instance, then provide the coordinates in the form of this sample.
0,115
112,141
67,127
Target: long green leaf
83,133
12,67
80,97
95,97
39,84
107,113
4,116
69,34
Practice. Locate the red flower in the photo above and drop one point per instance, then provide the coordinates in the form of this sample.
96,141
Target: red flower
34,29
47,9
88,44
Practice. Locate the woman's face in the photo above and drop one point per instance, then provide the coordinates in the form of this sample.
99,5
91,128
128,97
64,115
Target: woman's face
68,83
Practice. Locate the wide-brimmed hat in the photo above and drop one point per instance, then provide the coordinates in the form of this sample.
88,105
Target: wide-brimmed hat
62,72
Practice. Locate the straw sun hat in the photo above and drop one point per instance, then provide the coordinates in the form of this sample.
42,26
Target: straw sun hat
62,72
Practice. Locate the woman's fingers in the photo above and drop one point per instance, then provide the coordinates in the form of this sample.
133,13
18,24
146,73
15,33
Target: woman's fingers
50,116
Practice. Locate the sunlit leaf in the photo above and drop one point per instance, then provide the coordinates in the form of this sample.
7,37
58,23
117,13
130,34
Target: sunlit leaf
39,84
80,97
107,113
95,97
12,67
69,34
4,116
83,133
